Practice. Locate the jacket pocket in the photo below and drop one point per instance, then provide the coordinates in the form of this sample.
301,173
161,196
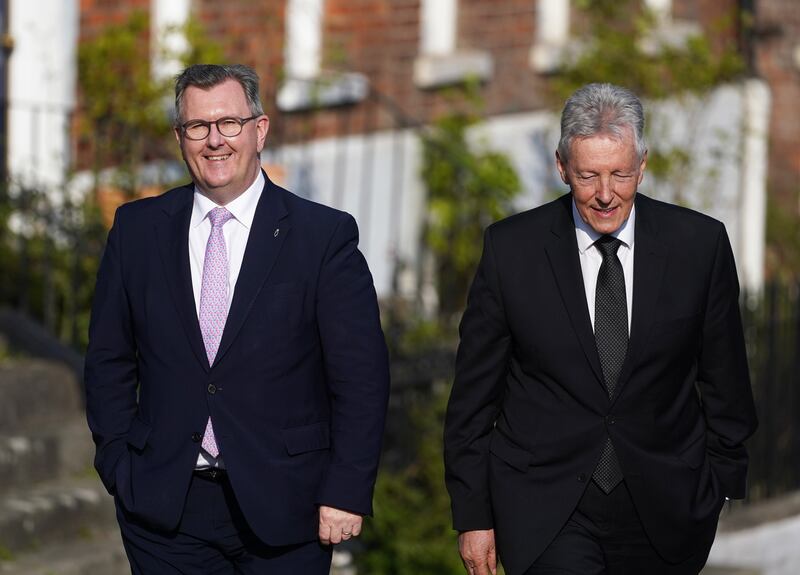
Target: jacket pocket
138,434
516,457
695,454
306,438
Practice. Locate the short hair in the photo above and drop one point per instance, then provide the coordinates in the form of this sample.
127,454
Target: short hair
209,75
604,109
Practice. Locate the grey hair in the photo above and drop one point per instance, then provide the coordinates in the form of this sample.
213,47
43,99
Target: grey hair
605,109
207,76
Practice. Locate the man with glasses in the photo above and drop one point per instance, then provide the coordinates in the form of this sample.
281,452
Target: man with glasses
237,375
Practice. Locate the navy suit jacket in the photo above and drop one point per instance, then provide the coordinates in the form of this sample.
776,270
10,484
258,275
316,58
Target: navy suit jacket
529,413
297,392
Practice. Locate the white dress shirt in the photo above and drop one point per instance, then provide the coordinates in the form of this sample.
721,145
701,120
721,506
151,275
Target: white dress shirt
236,232
591,258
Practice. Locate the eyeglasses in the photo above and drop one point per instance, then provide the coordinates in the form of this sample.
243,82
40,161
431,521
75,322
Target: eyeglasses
228,127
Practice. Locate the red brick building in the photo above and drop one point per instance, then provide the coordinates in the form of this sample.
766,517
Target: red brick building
348,67
381,39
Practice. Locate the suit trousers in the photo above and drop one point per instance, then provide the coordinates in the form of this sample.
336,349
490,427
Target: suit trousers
213,538
604,536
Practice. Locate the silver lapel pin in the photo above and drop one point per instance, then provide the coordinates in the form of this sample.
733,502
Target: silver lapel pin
277,231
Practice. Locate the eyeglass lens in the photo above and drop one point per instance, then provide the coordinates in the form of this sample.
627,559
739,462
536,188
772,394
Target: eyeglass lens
228,127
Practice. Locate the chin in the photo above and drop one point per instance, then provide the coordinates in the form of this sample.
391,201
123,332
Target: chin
606,227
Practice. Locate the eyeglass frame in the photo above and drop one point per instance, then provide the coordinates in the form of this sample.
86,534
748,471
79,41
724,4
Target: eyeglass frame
207,125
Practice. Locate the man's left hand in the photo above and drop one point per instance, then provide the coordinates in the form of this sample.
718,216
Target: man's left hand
336,525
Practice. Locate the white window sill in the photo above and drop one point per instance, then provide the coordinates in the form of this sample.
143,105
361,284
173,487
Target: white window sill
546,58
324,91
448,69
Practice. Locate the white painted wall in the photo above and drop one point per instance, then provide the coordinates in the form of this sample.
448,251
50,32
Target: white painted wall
42,79
374,178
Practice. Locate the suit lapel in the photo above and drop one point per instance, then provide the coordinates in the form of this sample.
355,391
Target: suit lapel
648,271
270,228
173,241
562,252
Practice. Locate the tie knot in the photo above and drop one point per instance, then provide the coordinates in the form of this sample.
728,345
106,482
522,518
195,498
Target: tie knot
218,217
608,246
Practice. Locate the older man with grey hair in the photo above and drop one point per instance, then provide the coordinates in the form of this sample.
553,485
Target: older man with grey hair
602,399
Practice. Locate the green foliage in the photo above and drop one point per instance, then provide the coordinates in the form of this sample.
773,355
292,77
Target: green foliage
468,189
411,532
51,252
623,48
199,50
123,104
783,241
6,554
50,255
49,258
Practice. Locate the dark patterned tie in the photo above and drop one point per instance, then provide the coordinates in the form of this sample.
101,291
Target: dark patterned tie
611,337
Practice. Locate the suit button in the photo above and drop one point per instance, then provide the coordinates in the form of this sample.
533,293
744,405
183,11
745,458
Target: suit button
610,420
582,477
196,437
212,389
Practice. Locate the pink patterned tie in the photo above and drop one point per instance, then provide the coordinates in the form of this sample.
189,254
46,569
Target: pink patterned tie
214,301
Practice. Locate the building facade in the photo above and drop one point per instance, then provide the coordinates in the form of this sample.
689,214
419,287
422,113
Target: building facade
349,84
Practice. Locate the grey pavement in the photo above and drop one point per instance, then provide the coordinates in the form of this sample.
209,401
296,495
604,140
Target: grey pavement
763,537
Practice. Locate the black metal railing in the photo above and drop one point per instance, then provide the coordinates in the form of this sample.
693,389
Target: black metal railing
772,330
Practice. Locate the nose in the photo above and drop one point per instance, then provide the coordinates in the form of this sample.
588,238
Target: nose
214,138
604,192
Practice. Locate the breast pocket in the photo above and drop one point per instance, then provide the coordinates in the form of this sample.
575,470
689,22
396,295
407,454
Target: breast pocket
678,324
279,307
275,322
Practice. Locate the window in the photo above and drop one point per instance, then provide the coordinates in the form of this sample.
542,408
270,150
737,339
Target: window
306,85
169,16
440,62
552,35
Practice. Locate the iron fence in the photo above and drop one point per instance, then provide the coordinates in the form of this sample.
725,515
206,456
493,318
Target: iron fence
772,331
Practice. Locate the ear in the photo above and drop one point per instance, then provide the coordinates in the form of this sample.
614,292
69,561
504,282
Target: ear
177,131
262,127
562,169
642,166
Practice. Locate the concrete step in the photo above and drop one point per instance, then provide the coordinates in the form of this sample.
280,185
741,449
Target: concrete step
723,570
102,555
59,450
54,513
36,393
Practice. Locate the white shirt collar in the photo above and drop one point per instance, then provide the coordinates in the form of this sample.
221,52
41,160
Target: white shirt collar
586,236
243,207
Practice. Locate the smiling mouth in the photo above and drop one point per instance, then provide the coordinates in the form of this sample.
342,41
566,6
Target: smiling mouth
218,158
605,210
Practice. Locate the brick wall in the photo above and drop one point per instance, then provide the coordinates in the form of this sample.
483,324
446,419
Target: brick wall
380,38
777,33
95,15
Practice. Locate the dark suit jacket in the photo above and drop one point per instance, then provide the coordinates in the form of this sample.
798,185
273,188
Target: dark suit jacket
297,392
529,412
